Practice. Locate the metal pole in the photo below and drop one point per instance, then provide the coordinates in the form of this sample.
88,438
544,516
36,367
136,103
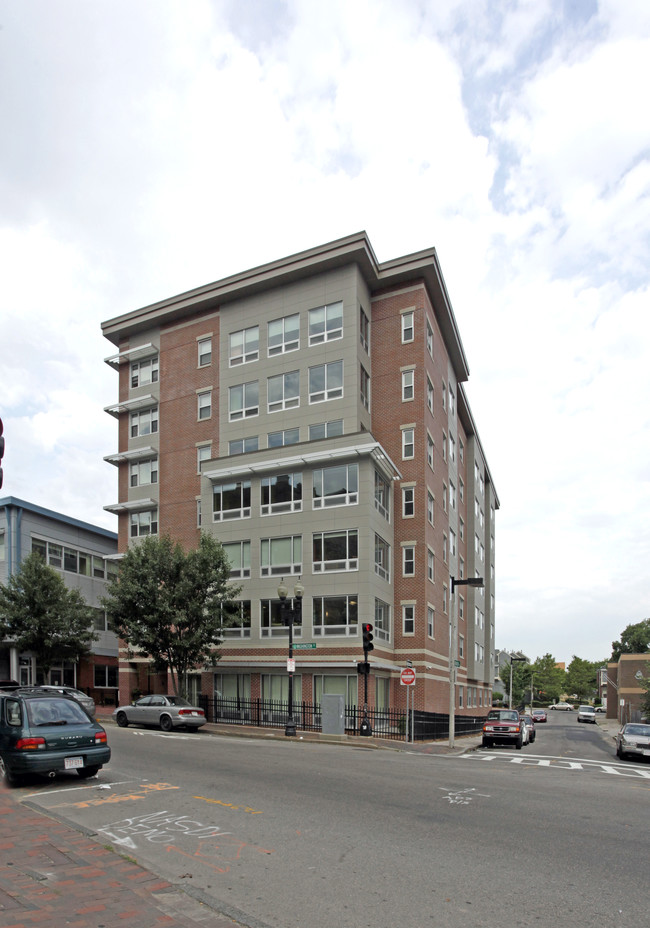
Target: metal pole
453,647
290,728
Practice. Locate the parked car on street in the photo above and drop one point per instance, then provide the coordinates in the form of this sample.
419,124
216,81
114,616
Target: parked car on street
587,714
539,715
633,740
166,712
86,701
503,726
530,728
46,734
562,706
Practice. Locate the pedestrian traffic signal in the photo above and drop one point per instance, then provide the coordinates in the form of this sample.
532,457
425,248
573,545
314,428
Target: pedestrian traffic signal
363,667
366,628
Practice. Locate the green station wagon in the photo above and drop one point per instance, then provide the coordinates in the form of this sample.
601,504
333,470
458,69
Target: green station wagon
48,734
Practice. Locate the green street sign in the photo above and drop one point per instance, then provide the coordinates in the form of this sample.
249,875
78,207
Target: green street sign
457,663
304,647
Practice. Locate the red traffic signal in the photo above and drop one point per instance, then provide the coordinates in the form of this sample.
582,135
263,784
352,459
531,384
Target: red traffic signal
368,636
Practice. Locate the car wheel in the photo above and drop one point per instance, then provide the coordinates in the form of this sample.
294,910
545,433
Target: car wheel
121,719
86,772
166,723
6,776
519,744
486,743
619,753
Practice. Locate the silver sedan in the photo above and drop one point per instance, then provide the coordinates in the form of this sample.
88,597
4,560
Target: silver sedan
167,712
633,738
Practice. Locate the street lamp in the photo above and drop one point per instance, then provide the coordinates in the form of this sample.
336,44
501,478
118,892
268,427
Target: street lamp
453,648
512,661
289,615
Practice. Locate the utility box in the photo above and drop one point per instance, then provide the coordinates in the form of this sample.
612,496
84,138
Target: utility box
333,715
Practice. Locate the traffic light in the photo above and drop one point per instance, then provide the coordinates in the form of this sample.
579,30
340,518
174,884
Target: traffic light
363,667
2,450
367,637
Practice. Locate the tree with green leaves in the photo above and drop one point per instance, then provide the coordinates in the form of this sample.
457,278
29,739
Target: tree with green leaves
635,639
549,680
645,700
582,677
520,680
172,605
38,613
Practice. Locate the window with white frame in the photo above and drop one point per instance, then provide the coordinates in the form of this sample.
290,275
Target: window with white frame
325,323
204,405
199,513
364,331
408,619
283,391
281,556
243,400
461,451
444,396
382,620
452,448
284,335
452,402
431,621
430,451
332,551
429,395
203,453
144,372
461,568
408,560
325,429
272,621
231,500
445,600
382,558
144,473
444,549
326,382
431,566
407,327
364,387
461,606
461,646
461,491
237,623
452,495
244,346
281,493
144,422
283,437
382,495
336,486
408,443
429,338
408,385
243,445
335,615
144,523
452,542
430,507
204,347
239,556
444,497
444,446
408,502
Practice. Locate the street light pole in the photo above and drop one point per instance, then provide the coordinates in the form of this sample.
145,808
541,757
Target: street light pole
289,614
453,649
512,660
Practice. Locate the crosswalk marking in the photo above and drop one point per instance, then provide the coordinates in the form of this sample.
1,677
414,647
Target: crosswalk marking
561,764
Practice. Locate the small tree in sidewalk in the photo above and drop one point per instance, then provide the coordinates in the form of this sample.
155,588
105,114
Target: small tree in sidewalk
172,605
38,613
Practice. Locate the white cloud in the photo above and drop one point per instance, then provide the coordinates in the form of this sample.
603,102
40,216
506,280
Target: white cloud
156,146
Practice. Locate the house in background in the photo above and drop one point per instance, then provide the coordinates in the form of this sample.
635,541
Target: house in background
84,555
625,676
311,414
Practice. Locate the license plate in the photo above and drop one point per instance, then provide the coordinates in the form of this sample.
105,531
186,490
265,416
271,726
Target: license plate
72,762
646,752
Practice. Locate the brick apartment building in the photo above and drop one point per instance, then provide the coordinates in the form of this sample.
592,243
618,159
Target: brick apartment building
311,414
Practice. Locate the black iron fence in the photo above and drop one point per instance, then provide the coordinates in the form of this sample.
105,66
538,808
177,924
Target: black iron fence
385,723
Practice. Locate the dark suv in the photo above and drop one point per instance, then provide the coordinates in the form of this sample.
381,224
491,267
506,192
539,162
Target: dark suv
46,734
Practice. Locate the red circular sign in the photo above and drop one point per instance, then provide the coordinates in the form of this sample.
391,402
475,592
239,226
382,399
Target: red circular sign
407,676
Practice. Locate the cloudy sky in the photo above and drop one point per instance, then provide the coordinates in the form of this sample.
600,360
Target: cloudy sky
151,146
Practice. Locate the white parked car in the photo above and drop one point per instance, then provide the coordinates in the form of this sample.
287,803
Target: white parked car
587,714
167,712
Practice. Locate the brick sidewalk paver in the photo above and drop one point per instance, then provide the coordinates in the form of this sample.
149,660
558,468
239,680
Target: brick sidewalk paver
51,874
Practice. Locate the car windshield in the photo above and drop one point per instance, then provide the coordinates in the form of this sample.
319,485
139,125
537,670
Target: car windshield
504,715
177,701
637,730
55,711
587,709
